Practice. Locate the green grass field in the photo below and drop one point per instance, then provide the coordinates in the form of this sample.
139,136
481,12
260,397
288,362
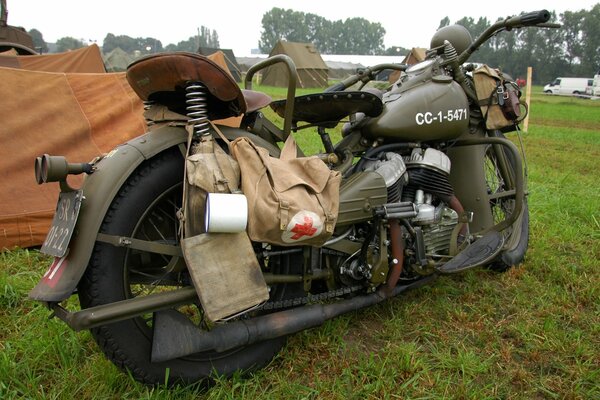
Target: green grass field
531,333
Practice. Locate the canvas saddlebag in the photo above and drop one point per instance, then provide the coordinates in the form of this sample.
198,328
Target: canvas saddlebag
291,200
499,98
227,282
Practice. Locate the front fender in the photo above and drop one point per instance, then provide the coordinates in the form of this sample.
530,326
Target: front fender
99,190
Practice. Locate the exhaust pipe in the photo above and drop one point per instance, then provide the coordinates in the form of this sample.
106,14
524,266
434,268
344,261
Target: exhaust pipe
176,336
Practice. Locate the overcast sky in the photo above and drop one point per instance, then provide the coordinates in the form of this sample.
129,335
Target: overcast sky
238,23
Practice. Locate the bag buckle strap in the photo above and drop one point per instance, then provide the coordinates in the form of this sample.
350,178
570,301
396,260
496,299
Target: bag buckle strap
284,207
329,222
329,217
501,93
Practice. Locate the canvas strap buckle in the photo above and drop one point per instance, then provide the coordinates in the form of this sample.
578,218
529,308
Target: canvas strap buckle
284,207
329,217
329,222
501,93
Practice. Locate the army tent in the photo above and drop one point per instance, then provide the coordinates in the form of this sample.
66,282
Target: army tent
230,60
76,115
312,70
117,60
79,116
86,59
416,55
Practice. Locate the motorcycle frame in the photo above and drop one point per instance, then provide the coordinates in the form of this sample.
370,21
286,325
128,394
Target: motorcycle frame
101,187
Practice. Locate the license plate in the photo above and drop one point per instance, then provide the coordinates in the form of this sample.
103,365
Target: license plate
63,224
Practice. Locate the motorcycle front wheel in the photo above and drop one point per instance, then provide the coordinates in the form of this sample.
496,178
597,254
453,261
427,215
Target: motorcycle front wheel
500,170
146,208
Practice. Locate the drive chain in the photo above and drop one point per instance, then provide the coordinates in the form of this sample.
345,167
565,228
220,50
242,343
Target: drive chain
310,298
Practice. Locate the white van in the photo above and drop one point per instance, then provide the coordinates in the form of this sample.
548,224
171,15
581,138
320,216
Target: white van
594,89
568,86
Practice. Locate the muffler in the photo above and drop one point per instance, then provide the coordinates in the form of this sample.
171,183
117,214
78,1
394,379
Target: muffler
176,336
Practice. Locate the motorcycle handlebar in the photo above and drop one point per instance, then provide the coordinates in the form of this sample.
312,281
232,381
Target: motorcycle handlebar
534,18
528,19
364,75
338,87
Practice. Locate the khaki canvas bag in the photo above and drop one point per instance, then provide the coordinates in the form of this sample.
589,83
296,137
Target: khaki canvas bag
227,282
208,169
291,200
498,98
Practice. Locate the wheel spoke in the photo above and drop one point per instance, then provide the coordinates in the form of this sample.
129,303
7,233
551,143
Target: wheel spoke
500,200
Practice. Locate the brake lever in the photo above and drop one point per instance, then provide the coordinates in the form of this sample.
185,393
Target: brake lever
548,25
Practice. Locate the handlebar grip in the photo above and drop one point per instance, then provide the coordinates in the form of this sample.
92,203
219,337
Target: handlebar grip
531,18
536,17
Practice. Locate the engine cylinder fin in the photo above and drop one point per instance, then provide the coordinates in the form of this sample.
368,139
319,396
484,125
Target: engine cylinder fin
395,192
431,181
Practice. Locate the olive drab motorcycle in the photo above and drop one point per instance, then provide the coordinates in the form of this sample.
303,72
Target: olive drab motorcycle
162,245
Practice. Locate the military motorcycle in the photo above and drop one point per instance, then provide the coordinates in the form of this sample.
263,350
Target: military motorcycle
427,188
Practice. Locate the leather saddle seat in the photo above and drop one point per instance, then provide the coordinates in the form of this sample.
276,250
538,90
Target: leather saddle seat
162,78
328,108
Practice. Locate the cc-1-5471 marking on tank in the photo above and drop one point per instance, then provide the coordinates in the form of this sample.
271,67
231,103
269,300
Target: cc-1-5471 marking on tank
450,115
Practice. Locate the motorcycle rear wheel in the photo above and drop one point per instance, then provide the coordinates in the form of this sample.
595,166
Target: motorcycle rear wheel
145,208
499,180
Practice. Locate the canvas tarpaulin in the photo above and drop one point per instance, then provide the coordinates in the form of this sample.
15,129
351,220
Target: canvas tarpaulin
79,116
86,59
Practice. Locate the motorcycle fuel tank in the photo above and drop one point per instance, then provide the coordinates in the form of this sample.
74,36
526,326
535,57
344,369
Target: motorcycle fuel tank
431,109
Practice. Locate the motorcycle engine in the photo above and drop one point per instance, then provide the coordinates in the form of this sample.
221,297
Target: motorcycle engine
421,178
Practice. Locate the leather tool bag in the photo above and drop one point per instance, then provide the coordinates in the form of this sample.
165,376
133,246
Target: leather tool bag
499,98
291,200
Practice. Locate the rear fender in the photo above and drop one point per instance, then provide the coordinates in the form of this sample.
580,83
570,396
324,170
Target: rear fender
99,190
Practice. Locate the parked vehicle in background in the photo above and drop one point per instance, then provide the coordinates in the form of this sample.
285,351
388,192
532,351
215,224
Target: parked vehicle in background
594,88
568,86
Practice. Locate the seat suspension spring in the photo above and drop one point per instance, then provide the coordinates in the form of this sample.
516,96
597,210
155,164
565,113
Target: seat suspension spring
196,100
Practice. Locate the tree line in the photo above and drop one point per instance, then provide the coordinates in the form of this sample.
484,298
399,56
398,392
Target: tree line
572,50
205,38
352,36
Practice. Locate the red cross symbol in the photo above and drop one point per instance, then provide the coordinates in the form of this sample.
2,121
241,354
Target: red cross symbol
305,229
